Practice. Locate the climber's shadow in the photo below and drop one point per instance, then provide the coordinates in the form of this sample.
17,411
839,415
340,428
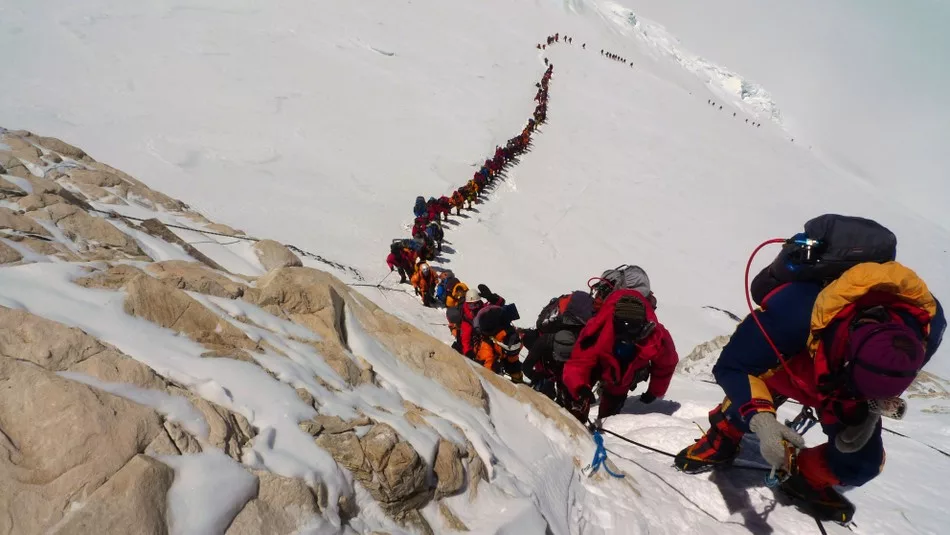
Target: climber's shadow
633,405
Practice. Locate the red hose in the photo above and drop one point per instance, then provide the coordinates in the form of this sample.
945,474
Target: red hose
748,299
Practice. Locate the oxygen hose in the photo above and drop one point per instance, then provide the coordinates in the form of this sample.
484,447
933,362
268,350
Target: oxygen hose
748,298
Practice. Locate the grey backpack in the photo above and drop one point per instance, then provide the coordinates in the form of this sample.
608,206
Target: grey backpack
621,277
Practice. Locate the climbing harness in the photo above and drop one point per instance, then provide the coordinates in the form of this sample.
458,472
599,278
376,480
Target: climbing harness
600,458
805,420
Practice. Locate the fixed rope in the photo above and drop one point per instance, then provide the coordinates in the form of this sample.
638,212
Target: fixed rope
294,248
673,455
600,458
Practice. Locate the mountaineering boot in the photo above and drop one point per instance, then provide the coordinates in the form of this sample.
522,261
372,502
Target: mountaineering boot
718,447
824,503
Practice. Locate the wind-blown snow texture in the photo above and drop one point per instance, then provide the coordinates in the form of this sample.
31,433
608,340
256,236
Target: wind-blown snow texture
318,123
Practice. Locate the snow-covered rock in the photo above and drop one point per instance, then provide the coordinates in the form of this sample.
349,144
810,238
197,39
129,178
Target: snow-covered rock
141,372
273,255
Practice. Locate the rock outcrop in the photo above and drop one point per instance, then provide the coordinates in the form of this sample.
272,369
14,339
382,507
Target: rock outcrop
81,449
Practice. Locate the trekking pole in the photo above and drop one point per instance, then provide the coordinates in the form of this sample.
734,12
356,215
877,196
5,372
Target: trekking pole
380,283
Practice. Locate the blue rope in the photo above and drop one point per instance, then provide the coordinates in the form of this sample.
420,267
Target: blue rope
600,456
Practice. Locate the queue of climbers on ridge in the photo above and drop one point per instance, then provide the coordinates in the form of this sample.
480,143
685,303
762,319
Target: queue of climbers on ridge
615,57
842,329
556,38
410,257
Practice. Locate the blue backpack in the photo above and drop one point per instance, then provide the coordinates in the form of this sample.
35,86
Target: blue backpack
420,209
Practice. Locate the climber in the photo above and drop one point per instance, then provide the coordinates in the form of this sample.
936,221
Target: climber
499,342
623,344
468,337
441,292
435,233
843,329
550,343
424,281
419,209
419,227
457,200
433,209
445,206
402,259
624,276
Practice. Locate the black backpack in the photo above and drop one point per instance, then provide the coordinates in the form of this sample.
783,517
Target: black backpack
569,311
830,245
491,318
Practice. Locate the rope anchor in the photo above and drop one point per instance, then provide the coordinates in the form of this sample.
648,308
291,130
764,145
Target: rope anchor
600,459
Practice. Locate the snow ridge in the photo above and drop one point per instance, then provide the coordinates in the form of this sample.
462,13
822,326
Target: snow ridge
744,93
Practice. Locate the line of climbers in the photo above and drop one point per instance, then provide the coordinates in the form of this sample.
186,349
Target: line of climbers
712,103
556,38
615,57
608,335
842,328
410,256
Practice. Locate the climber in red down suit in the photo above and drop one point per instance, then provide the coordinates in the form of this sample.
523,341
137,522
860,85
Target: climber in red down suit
622,345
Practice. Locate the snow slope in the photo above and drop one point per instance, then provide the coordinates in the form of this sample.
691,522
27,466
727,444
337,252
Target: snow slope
317,124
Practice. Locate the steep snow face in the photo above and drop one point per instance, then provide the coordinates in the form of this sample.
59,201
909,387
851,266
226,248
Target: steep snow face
866,81
319,126
722,82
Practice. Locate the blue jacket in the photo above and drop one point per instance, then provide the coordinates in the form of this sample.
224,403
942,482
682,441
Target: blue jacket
787,319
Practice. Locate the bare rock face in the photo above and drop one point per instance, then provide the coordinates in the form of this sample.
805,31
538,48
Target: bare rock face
132,501
35,201
274,255
75,222
56,145
308,296
113,278
449,469
102,179
223,229
282,506
150,299
12,165
194,277
60,443
228,431
386,466
450,518
341,363
12,220
48,344
9,255
9,186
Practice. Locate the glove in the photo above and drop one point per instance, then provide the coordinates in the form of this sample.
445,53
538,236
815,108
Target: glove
854,437
647,398
585,394
484,291
772,438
